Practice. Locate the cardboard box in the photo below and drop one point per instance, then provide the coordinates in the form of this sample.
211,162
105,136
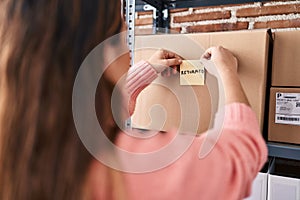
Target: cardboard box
286,129
286,59
165,104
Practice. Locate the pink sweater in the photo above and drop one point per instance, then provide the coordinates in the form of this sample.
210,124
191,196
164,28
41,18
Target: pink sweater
225,173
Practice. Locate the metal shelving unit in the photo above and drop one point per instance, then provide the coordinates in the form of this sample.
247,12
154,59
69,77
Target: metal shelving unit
281,150
161,20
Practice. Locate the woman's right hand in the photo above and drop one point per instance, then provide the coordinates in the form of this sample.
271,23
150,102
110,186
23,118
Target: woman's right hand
223,59
227,64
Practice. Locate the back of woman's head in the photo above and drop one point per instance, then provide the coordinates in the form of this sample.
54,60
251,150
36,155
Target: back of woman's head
42,45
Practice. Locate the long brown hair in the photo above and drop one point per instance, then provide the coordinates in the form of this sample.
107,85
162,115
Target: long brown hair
42,45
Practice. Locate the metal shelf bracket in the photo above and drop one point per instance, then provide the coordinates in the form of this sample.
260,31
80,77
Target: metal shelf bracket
161,20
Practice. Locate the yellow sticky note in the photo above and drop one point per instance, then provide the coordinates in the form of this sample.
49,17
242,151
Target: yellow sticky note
192,72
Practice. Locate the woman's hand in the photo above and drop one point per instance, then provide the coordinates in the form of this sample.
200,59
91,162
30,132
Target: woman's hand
226,64
223,59
165,62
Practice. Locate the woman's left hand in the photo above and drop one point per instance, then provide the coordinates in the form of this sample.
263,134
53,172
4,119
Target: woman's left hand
165,62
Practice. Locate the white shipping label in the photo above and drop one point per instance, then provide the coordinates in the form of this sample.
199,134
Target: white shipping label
287,108
192,72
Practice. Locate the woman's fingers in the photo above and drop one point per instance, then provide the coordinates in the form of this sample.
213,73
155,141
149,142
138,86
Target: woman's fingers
174,70
208,53
172,62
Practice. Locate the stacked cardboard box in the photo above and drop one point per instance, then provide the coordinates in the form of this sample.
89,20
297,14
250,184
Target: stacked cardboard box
284,110
166,104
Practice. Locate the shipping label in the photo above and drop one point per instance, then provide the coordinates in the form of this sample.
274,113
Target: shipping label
287,108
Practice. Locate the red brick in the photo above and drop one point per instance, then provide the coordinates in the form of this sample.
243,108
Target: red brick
143,21
202,17
218,6
178,10
217,27
141,13
268,10
278,24
176,30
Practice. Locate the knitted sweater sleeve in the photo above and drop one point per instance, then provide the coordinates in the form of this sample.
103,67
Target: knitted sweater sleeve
139,76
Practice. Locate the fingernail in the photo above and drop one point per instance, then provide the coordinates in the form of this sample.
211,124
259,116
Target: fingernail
174,71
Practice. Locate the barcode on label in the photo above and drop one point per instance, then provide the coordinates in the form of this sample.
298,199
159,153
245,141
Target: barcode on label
295,119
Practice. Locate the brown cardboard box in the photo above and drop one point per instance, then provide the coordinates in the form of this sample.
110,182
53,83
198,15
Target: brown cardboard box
280,132
286,59
172,105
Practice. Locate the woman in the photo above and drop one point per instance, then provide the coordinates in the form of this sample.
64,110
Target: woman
42,46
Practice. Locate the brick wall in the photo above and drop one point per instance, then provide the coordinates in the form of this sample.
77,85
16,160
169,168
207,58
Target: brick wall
277,15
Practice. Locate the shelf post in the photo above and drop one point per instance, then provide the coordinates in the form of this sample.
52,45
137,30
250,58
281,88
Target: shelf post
130,20
161,15
162,20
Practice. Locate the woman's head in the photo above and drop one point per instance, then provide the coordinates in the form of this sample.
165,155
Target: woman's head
42,46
